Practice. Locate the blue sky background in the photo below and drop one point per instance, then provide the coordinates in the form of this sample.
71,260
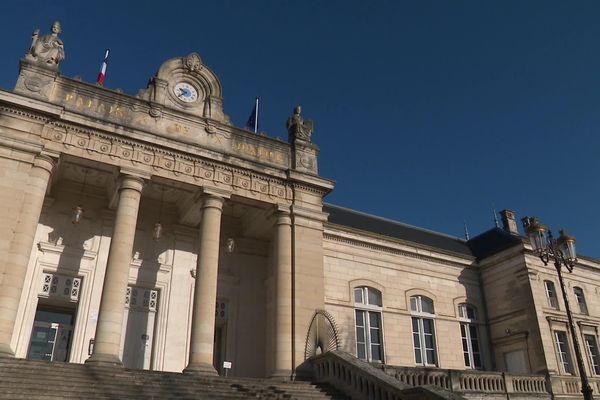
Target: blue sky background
426,112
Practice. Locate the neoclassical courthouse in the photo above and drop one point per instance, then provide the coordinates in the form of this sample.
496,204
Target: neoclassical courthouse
148,230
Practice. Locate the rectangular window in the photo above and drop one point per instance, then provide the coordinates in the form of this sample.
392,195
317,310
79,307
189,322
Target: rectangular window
470,343
361,335
417,340
369,339
562,348
424,341
592,349
375,336
580,300
551,294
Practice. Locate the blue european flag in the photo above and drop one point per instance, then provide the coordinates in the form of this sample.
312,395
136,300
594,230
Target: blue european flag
252,123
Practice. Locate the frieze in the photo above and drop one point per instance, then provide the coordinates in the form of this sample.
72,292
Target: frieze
200,170
122,110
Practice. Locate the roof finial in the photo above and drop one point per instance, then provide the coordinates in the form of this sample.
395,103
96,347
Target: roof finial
466,230
495,216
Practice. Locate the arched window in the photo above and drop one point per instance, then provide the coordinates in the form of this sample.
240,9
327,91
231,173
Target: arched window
551,294
580,300
423,329
369,329
469,334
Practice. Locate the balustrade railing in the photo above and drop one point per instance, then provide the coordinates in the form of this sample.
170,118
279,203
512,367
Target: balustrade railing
571,385
470,381
361,380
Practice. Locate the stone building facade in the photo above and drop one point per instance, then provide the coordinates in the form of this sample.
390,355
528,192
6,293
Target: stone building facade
149,231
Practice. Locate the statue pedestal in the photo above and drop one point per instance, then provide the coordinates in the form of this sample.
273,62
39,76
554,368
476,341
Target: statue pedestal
304,157
36,80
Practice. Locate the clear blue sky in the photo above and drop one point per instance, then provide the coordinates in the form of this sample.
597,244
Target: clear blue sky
427,112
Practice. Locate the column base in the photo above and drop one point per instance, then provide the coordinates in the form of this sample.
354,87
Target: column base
200,369
6,351
104,360
282,375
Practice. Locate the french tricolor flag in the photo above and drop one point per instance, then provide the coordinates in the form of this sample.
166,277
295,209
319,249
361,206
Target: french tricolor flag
102,73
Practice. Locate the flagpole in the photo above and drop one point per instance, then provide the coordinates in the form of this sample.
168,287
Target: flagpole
256,119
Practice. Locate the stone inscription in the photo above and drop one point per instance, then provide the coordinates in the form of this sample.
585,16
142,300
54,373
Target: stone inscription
260,152
95,105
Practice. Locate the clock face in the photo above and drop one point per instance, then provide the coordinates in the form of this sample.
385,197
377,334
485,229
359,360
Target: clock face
185,92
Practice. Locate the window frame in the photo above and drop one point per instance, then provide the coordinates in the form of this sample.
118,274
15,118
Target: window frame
594,359
468,325
369,310
580,299
563,354
551,296
419,320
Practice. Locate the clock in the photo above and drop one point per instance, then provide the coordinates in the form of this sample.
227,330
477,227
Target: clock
185,92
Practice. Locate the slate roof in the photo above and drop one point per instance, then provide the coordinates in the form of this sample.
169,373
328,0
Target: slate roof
480,246
491,242
382,226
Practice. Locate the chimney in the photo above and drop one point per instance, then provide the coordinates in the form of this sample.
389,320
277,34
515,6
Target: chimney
509,222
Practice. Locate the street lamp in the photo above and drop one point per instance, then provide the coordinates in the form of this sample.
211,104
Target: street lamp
562,252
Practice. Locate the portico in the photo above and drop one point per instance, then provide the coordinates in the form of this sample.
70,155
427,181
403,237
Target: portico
222,281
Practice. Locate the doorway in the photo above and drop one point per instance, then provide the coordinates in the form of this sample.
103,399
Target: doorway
219,348
51,334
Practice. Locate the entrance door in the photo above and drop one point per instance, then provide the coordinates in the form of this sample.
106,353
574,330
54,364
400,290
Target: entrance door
51,335
219,348
137,342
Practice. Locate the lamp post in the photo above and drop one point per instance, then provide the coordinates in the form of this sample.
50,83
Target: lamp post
561,251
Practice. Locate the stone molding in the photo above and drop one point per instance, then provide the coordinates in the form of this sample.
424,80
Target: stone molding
172,163
389,249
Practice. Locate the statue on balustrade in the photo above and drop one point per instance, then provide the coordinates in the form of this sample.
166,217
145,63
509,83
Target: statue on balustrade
49,49
298,128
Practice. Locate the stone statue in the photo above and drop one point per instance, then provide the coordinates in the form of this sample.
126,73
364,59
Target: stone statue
297,127
47,49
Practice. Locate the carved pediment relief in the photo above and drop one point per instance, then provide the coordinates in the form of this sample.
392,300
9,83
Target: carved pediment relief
186,84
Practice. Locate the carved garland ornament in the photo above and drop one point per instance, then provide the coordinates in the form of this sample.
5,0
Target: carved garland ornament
178,165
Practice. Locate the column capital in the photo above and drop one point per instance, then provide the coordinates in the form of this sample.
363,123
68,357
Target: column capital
212,201
214,198
44,161
127,181
145,175
282,215
211,191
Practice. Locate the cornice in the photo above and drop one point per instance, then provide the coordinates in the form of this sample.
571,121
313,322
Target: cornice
65,137
392,248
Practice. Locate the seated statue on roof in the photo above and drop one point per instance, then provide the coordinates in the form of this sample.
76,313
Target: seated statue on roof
48,49
297,127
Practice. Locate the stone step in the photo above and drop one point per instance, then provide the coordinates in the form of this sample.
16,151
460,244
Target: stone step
27,379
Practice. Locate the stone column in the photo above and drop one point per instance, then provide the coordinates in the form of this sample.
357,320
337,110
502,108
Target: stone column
205,292
20,249
282,338
112,304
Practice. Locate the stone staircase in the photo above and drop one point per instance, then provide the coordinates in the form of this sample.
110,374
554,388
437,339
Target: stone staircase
26,379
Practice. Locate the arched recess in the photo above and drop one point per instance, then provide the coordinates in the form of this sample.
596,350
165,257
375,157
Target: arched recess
323,335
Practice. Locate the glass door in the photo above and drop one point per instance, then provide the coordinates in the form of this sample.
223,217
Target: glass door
51,335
